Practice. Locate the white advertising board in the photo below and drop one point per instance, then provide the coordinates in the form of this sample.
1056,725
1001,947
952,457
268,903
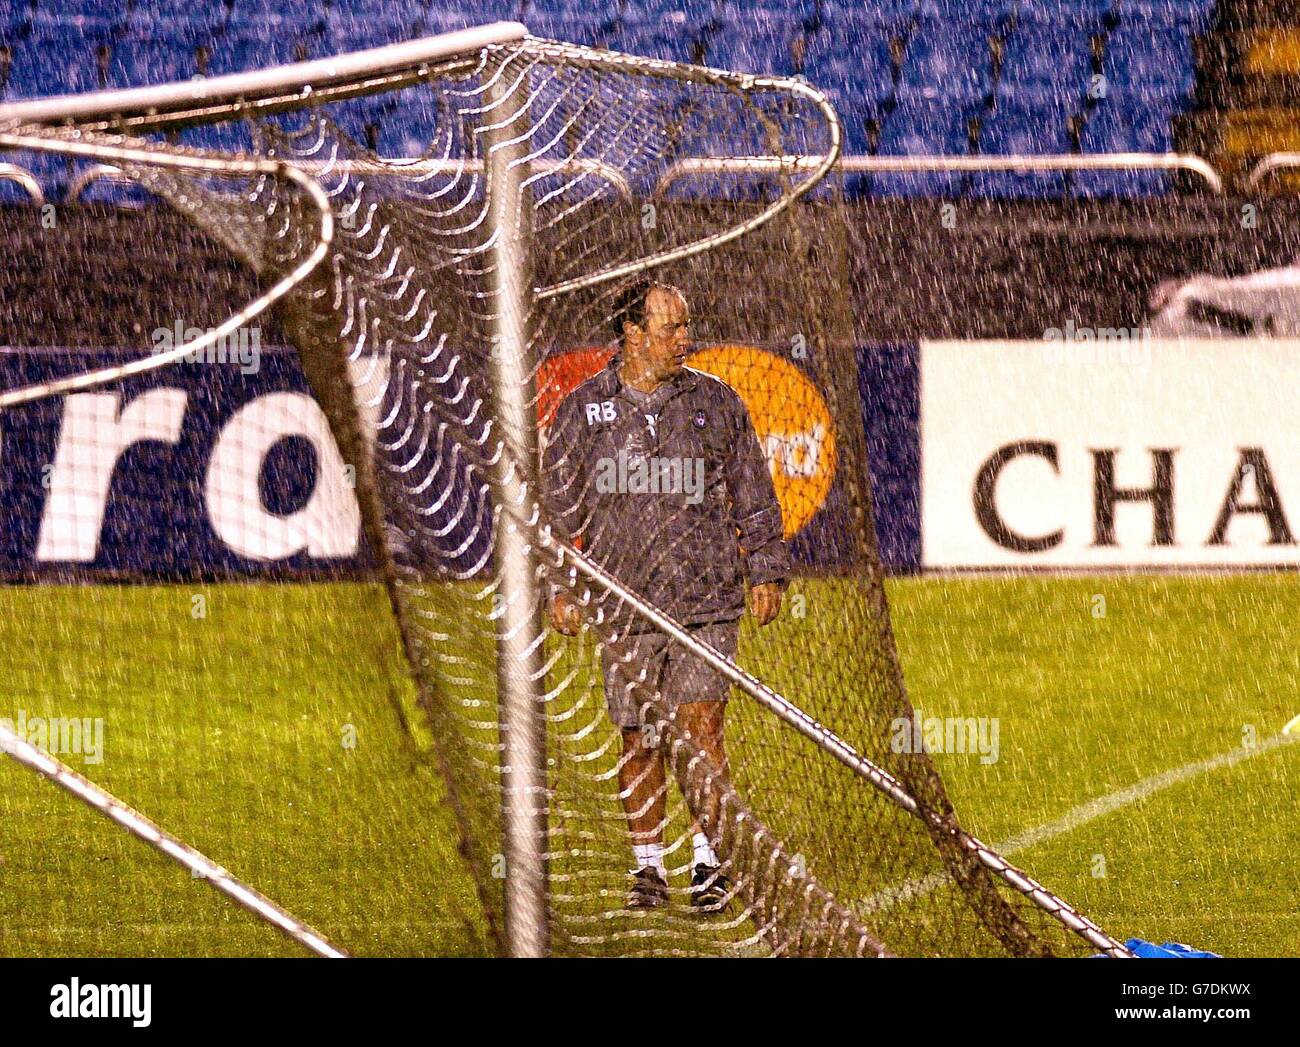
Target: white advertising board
1131,452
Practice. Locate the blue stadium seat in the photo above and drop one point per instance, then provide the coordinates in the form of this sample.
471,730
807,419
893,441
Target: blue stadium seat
396,10
858,112
1150,59
796,11
447,19
591,29
1046,59
675,36
857,107
861,120
352,31
531,9
991,13
395,125
947,59
1032,125
71,10
314,41
403,126
251,46
1196,14
15,14
229,136
1125,128
364,25
363,119
166,54
1081,13
631,9
153,17
849,26
13,36
879,10
851,58
501,10
243,11
921,128
55,60
292,17
761,43
92,15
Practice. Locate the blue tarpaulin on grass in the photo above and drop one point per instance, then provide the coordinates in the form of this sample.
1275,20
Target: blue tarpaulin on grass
1167,951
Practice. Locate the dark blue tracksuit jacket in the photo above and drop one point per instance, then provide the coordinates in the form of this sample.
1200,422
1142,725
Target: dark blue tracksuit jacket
679,506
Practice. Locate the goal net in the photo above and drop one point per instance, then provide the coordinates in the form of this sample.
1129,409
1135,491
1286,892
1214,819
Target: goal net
440,309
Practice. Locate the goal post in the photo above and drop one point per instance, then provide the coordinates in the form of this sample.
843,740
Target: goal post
520,657
442,308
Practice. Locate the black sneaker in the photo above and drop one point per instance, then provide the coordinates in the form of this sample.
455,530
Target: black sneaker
710,890
649,890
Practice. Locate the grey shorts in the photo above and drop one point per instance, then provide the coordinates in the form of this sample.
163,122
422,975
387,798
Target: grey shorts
678,674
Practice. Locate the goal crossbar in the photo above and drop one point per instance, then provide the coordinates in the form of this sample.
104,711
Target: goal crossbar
295,79
399,65
198,164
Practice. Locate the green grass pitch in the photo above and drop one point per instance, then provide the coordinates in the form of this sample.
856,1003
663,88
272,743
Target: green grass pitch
259,726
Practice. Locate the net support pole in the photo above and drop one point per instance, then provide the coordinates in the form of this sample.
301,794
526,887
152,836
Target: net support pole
519,604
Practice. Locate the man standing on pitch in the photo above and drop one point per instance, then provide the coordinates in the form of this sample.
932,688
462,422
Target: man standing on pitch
655,470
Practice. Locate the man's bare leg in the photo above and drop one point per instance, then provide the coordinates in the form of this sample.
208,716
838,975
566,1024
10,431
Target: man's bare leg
643,787
702,723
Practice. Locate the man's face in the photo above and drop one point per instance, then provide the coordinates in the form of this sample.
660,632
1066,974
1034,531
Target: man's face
663,342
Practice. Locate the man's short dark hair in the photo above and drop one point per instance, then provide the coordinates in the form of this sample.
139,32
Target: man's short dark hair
630,304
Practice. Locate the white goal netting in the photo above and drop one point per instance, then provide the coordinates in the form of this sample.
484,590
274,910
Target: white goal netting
442,308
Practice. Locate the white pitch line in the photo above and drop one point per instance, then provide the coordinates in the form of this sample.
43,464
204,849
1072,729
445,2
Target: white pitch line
1104,805
1084,813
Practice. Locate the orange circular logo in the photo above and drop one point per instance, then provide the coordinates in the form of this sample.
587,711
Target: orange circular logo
792,421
